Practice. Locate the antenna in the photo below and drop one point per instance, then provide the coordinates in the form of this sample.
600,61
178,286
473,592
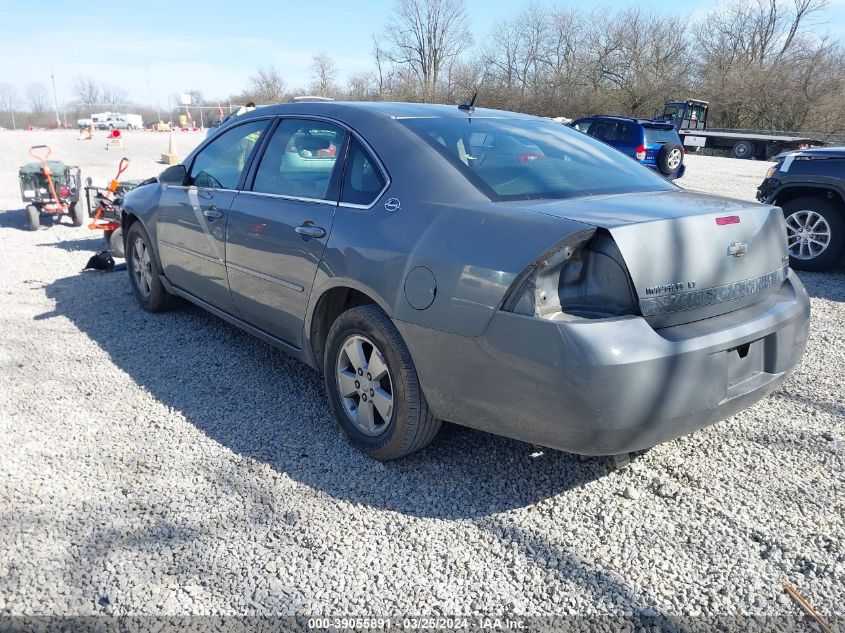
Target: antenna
469,107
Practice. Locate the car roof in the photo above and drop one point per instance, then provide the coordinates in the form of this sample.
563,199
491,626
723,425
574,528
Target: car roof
826,152
394,110
630,119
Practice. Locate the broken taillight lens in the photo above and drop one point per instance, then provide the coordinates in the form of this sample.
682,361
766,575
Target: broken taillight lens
582,276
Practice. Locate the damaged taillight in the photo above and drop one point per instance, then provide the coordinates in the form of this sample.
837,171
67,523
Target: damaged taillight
583,276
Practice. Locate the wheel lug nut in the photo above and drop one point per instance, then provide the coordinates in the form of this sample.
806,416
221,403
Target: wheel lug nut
372,393
357,385
360,372
364,397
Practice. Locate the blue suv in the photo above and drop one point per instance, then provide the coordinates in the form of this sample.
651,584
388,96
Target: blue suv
654,143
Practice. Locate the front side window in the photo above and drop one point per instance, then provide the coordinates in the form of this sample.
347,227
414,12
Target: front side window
301,160
526,159
362,180
220,163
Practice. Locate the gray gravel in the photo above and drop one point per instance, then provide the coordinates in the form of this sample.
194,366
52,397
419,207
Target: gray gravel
171,464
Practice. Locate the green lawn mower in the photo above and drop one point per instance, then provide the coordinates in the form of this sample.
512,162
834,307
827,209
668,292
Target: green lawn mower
50,187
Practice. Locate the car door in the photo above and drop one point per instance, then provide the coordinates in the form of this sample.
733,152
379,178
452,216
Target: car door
191,224
279,226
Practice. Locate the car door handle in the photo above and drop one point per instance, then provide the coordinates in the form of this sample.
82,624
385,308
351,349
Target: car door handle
212,213
309,230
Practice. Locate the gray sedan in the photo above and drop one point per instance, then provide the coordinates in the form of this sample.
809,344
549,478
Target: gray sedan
491,269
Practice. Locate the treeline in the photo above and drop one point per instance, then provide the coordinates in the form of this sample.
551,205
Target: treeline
764,64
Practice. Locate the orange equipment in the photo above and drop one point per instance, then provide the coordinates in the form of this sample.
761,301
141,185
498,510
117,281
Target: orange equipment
100,223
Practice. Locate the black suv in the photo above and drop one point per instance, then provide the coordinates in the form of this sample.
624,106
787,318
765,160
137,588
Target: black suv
809,185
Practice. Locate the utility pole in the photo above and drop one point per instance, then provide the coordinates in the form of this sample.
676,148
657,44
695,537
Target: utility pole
56,102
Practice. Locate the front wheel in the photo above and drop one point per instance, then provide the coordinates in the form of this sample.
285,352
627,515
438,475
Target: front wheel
373,388
144,271
33,217
815,230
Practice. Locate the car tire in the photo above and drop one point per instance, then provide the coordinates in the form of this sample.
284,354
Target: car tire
823,224
743,149
115,241
670,158
144,272
78,213
361,339
33,217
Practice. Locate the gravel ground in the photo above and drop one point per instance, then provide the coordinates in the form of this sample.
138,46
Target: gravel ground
171,464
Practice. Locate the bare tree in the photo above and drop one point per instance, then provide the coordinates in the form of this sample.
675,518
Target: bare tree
87,91
324,72
266,86
756,59
112,96
359,86
425,35
9,100
37,95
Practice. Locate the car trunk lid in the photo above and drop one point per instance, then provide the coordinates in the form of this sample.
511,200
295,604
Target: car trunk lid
690,256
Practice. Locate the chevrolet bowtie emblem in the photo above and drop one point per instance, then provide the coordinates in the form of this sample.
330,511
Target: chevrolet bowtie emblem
737,249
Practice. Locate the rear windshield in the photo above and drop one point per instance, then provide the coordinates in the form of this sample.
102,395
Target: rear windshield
528,159
657,135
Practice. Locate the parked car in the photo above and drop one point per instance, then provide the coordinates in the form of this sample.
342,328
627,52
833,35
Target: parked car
116,122
655,144
810,187
492,269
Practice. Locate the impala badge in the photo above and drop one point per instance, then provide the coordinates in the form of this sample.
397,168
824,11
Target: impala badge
737,249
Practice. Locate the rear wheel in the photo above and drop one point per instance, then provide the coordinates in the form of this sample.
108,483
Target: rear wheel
33,217
144,271
743,149
372,386
815,229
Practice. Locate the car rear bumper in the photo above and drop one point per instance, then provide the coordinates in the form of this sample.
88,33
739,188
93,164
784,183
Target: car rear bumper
610,386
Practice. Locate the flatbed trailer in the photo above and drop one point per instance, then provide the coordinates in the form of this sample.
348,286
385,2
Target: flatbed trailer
690,119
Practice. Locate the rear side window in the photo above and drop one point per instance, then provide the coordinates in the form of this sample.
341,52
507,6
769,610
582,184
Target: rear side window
656,135
613,132
528,158
220,163
362,180
300,160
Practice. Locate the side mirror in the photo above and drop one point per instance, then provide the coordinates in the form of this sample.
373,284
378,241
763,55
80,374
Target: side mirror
175,175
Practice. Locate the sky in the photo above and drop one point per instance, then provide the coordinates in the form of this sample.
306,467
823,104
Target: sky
165,48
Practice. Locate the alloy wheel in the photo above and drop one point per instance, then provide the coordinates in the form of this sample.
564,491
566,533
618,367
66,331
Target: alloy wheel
142,267
365,385
674,159
808,234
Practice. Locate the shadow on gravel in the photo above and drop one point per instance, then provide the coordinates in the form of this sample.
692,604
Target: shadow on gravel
93,244
16,219
829,285
260,403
